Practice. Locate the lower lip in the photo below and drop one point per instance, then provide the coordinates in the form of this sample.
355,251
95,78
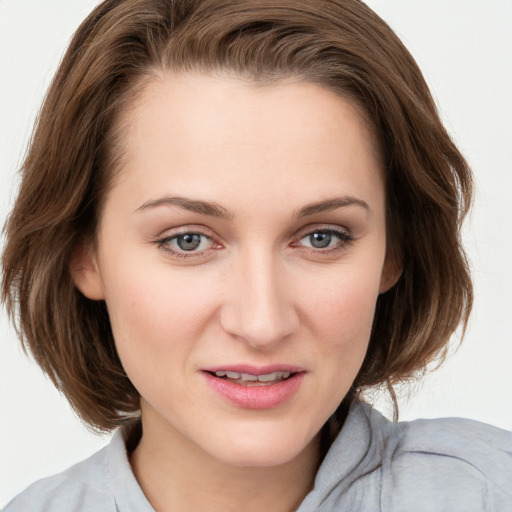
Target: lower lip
267,396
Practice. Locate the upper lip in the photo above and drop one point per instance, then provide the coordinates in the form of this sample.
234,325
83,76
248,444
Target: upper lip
255,370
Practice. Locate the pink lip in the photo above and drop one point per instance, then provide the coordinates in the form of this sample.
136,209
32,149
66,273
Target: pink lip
255,370
256,397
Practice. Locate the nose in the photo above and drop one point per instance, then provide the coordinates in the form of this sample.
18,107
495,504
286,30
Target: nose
259,308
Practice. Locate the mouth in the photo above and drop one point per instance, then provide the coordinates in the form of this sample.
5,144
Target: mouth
252,387
249,379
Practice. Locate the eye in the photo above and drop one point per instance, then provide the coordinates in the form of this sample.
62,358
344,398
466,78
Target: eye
189,241
325,239
186,244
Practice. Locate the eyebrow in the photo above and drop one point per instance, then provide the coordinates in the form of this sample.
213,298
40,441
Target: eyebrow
215,210
193,205
332,204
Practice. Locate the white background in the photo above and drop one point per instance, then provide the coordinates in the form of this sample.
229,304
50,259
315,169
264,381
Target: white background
465,50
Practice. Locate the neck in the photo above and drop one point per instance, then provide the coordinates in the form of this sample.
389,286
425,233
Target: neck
178,476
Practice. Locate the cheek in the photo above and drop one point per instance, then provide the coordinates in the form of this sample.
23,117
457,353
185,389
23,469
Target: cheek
156,317
344,304
344,328
340,317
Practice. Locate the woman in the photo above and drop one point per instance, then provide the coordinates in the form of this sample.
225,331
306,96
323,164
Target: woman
234,218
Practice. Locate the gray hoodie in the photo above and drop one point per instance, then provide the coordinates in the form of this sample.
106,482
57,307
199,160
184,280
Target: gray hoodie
444,465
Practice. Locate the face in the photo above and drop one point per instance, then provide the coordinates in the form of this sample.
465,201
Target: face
240,252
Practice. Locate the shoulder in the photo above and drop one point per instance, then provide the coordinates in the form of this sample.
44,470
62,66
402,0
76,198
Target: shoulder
79,488
444,464
102,483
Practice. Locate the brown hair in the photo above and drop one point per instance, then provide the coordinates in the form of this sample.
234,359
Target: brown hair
340,44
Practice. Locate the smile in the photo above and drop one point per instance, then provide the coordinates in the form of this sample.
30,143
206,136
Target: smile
248,379
255,388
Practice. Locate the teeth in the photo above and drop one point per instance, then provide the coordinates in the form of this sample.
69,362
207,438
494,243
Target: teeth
247,377
267,378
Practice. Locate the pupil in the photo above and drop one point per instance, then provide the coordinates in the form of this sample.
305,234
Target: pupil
320,240
188,242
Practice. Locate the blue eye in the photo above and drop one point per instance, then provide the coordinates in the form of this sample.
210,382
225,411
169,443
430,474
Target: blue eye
186,243
325,239
320,240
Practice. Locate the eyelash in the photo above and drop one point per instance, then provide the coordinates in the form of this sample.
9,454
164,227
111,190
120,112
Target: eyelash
164,241
344,239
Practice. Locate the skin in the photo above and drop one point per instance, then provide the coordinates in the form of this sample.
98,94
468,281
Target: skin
255,291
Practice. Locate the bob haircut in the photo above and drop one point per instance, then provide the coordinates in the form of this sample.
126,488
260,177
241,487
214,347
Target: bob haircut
76,149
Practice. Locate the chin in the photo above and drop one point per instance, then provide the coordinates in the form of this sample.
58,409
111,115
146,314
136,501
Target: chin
264,449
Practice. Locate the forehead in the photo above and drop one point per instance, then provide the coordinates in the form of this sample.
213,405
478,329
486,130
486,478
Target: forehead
223,135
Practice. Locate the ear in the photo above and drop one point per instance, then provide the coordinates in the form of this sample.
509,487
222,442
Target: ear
391,272
84,270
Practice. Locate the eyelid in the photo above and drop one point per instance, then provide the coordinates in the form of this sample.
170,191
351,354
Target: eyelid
183,230
344,234
314,228
171,234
